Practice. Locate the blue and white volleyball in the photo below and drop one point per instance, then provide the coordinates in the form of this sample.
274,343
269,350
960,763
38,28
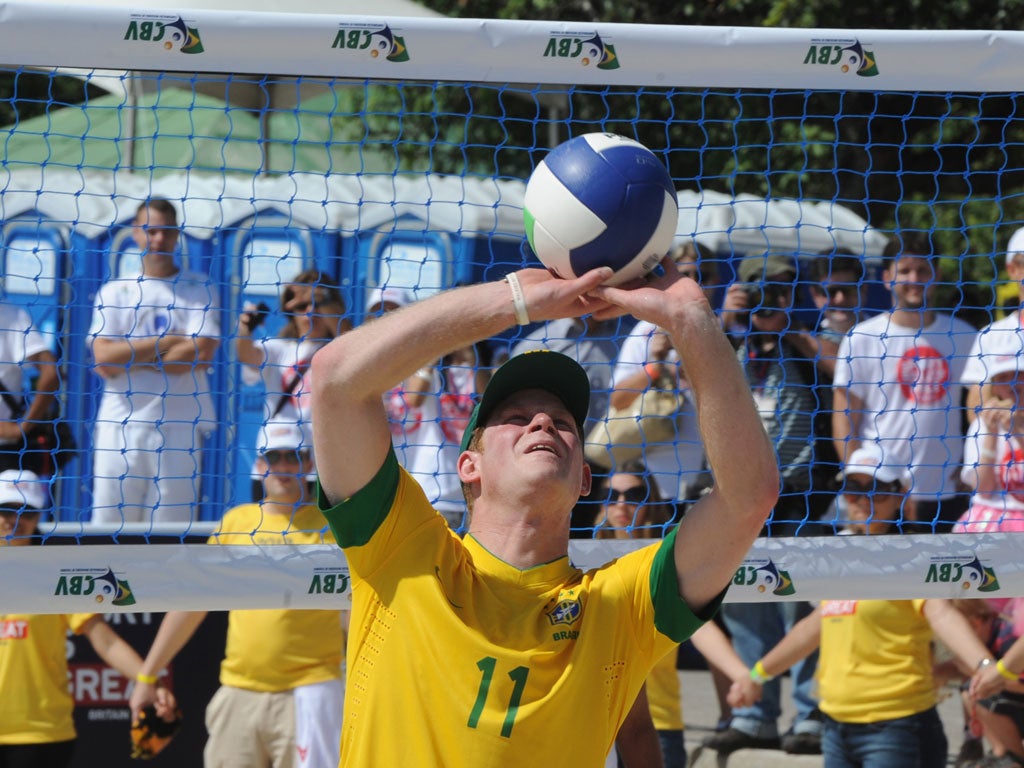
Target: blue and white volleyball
601,200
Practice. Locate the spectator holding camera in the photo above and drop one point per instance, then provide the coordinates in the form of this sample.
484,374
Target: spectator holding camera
315,312
782,381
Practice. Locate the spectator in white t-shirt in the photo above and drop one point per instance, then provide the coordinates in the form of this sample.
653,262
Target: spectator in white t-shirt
897,384
994,451
153,336
315,312
426,427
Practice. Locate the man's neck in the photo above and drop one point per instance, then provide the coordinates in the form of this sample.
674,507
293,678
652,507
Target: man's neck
159,266
281,506
913,318
522,543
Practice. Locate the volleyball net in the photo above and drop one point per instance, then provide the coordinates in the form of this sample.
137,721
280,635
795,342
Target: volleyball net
393,154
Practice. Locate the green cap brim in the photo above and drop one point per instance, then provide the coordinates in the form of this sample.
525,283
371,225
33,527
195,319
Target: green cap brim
551,371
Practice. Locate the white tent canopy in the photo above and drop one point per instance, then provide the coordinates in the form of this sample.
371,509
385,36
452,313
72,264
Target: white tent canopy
750,224
93,202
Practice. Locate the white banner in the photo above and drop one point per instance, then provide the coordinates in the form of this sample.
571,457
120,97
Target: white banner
77,35
133,578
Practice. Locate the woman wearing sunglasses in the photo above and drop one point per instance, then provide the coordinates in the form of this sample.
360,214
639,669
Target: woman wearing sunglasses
633,509
314,312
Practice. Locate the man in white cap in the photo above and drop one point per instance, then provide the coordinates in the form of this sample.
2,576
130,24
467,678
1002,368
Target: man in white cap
481,650
999,338
281,695
23,497
386,299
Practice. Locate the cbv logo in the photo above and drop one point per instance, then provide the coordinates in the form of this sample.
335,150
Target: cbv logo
966,573
589,50
333,582
848,55
764,577
98,584
172,34
375,41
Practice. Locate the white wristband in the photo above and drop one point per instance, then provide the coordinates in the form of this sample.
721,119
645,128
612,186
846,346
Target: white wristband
518,299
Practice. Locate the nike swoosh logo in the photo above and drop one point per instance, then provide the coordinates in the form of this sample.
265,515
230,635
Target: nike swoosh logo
437,573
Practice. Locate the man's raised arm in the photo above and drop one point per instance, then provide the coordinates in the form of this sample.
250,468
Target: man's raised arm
718,532
352,373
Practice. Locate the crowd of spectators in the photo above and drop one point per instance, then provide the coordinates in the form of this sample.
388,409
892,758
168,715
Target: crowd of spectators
925,399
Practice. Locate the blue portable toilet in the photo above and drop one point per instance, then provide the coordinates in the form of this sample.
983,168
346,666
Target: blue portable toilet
262,251
48,223
427,233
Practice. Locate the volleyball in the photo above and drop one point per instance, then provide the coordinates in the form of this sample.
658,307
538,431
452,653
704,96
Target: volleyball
600,200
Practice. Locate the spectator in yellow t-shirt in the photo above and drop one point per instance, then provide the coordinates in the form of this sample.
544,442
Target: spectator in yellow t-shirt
281,695
37,729
874,675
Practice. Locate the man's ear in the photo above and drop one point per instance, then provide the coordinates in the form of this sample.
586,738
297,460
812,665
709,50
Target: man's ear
587,480
468,466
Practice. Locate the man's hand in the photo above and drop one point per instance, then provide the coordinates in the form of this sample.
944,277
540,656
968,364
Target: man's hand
744,693
657,300
10,432
986,682
552,298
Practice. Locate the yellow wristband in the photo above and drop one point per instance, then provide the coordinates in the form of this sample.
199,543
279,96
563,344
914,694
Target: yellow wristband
147,679
1004,672
758,675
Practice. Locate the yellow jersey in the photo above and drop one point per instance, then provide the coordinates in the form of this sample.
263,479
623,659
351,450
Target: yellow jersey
456,658
664,694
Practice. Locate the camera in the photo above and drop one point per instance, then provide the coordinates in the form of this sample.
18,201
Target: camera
764,300
257,316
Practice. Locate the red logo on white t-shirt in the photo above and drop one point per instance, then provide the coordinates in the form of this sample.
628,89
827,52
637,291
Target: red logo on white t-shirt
838,608
456,408
303,753
401,418
923,375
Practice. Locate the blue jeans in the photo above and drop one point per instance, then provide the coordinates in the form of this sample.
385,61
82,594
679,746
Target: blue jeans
755,629
673,748
917,741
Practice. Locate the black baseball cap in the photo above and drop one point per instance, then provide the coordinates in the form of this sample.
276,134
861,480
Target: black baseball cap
551,371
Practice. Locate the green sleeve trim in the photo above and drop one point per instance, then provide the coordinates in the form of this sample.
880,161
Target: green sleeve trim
672,616
354,520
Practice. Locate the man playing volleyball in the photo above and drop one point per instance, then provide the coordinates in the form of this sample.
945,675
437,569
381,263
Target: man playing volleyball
493,650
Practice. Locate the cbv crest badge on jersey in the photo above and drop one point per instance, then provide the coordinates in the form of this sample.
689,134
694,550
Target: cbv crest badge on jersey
565,611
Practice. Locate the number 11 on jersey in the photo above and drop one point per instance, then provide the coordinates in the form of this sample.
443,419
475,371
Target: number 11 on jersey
487,665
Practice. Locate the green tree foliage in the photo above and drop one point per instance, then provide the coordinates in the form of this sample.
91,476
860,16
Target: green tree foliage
950,164
25,94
